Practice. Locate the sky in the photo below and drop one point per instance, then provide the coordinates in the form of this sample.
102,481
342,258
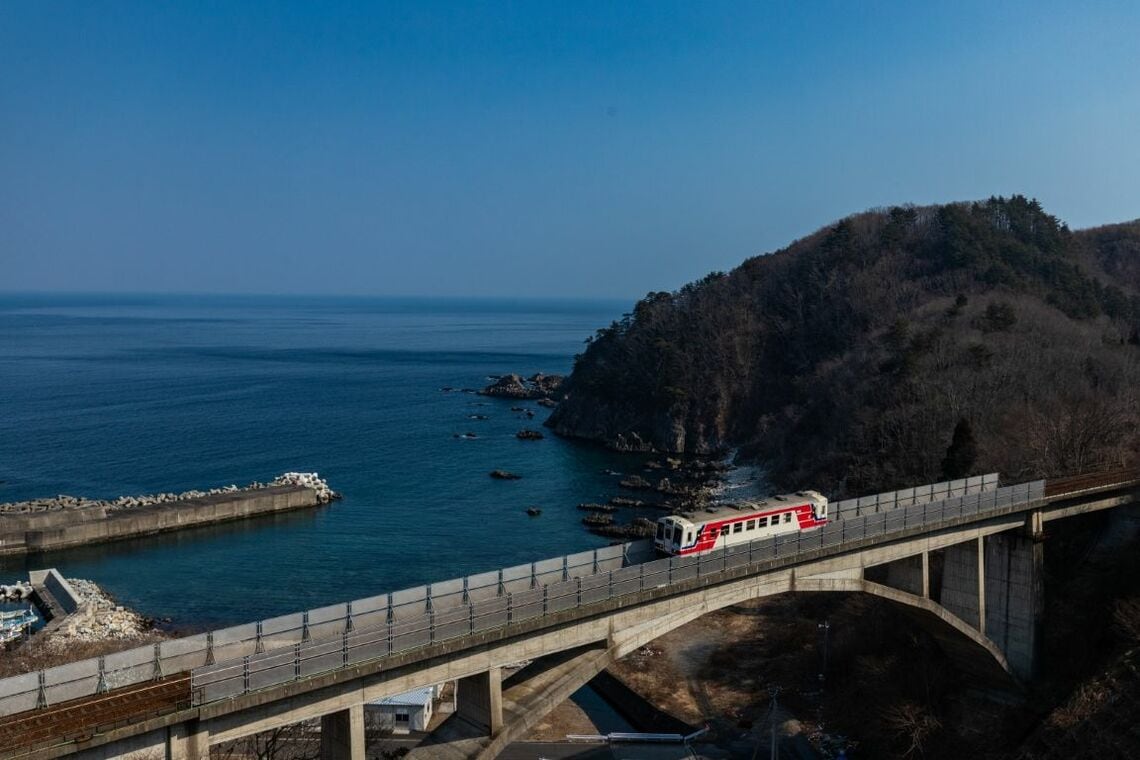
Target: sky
564,149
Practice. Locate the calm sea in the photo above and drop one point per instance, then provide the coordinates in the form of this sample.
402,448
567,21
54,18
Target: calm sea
110,395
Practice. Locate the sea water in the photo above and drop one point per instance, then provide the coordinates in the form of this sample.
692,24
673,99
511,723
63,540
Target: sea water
104,396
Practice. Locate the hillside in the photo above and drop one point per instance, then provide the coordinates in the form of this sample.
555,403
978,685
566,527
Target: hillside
893,347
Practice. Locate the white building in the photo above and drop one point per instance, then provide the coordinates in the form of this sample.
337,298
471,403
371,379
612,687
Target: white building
402,713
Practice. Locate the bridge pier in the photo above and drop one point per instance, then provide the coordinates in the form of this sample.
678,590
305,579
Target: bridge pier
996,584
963,582
479,700
1015,595
187,741
342,734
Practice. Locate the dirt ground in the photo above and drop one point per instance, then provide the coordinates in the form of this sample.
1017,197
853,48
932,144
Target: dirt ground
717,668
713,670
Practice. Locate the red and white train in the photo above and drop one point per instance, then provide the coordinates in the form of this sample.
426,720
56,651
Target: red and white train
728,525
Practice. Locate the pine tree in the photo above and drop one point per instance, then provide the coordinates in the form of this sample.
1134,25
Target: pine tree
962,452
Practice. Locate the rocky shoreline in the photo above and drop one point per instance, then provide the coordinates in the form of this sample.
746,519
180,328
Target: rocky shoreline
312,480
99,618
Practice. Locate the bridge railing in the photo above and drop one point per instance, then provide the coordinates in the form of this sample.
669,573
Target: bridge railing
252,672
246,657
907,497
403,610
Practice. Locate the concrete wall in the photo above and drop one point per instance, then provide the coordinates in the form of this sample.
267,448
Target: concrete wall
20,534
960,582
59,588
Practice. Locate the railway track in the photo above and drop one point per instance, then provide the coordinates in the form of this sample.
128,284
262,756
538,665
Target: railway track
1076,484
79,719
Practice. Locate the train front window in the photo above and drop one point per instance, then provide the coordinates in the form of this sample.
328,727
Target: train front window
677,534
661,531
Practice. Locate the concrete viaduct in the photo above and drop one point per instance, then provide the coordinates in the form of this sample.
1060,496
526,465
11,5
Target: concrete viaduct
967,568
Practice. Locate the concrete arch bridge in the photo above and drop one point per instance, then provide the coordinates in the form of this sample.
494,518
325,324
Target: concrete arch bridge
964,559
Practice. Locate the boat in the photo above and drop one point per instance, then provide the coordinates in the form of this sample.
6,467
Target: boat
15,624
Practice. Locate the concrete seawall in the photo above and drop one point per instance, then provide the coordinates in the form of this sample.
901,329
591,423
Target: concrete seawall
27,533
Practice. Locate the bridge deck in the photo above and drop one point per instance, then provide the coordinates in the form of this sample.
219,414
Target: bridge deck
1077,484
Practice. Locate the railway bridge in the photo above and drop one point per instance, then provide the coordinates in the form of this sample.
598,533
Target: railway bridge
964,558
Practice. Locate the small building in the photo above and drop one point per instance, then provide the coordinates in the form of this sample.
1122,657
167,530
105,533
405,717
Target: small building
402,713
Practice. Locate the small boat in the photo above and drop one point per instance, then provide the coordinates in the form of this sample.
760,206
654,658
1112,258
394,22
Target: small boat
533,511
15,624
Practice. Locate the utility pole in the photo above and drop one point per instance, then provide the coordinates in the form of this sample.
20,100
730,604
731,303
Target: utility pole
825,626
774,692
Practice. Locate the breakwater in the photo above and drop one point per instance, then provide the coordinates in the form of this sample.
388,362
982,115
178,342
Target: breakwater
63,522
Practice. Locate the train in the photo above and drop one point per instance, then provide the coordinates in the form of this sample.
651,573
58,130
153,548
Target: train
731,524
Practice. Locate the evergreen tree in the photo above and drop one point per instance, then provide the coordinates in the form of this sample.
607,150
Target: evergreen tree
962,453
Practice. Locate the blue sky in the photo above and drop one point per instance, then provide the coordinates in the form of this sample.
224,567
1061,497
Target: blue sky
525,149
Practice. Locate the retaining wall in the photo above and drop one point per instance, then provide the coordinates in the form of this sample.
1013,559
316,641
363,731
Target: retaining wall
21,534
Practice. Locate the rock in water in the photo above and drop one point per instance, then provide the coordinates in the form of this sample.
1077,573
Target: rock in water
504,475
538,386
527,434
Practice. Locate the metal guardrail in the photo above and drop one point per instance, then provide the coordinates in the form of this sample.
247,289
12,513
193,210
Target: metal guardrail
267,652
907,497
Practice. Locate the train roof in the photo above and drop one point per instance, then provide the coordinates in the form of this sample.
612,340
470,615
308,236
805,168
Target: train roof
771,503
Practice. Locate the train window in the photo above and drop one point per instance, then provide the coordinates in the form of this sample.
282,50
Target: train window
762,522
661,531
724,530
751,525
677,534
737,527
788,517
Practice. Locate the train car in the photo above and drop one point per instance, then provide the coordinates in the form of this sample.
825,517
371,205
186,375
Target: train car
731,524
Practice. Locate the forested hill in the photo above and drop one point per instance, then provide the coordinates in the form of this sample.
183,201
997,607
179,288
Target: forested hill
894,347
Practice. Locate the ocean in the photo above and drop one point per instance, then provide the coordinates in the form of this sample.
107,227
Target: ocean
105,396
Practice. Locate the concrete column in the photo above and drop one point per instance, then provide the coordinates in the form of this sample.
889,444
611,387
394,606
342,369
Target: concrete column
981,552
187,741
962,582
1015,595
342,734
926,575
479,700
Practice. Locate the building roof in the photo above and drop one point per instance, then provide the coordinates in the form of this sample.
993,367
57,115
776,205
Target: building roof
414,698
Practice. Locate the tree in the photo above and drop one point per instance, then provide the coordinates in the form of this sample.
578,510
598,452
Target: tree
962,452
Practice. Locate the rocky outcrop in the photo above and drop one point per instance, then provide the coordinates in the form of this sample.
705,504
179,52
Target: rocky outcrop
538,386
527,434
63,502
